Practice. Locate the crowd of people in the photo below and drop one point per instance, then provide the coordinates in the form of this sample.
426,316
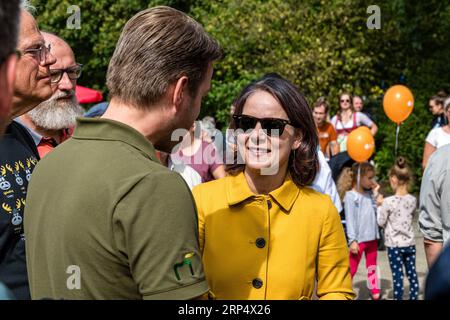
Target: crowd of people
115,205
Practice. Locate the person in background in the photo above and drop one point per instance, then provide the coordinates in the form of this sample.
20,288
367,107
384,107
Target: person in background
199,154
436,138
190,176
358,105
9,28
395,215
434,207
436,107
361,221
326,131
18,153
347,119
324,182
270,236
52,121
208,126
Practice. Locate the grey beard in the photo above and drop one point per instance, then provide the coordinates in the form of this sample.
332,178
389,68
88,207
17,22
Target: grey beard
55,115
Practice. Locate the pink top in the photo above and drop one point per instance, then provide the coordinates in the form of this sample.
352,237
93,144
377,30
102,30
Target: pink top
204,161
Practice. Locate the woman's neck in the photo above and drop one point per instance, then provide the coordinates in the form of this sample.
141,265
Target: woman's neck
346,112
401,190
264,184
359,189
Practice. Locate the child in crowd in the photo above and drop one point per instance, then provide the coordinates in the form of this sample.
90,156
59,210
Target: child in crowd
360,189
395,215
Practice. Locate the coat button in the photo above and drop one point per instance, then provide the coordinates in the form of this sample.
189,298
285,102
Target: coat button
269,204
257,283
260,243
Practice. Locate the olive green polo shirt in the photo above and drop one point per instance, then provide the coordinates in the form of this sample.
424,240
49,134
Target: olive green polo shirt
105,220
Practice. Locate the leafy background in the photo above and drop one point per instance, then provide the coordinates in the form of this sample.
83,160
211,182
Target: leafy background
324,47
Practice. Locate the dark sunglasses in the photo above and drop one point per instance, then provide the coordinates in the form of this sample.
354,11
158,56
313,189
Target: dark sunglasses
73,73
268,124
345,100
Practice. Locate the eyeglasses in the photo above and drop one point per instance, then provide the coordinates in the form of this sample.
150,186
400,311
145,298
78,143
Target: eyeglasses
246,123
39,54
345,100
73,73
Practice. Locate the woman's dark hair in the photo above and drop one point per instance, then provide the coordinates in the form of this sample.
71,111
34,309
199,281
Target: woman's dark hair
304,167
439,98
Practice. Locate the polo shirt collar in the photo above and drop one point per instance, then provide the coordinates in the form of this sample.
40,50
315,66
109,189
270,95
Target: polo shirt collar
110,130
237,190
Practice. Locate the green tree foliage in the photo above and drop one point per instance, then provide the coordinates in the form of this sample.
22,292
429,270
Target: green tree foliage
319,45
323,46
102,22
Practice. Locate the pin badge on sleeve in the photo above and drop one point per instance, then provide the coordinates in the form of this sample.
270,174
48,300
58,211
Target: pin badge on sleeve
186,262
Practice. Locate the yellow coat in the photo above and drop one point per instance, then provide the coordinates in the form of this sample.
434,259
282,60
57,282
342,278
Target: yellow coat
271,246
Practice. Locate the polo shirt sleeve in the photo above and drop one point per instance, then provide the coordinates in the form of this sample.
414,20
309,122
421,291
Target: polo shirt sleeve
155,230
333,269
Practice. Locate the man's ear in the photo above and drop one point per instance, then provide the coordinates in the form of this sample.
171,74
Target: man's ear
180,91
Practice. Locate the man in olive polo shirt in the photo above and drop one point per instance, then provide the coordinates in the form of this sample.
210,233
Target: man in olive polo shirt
105,220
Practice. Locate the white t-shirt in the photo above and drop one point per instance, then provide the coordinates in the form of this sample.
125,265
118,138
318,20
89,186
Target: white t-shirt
438,138
324,183
189,175
358,119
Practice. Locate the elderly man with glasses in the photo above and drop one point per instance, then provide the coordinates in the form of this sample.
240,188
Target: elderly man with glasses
18,153
53,120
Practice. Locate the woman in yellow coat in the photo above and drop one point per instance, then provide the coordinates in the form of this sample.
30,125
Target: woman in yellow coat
263,233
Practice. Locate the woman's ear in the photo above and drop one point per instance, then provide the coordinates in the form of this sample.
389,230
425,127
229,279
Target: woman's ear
297,140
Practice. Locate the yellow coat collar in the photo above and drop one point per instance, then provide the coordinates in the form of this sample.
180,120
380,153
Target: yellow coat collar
237,190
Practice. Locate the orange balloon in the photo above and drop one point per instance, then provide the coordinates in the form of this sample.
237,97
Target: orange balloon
360,144
398,103
364,128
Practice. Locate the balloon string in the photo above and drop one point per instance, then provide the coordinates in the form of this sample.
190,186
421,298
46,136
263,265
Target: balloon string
396,139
